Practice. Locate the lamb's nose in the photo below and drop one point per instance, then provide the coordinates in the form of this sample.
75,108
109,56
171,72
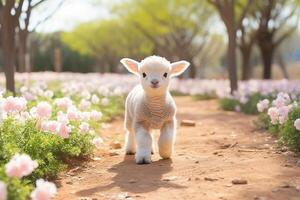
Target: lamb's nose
154,81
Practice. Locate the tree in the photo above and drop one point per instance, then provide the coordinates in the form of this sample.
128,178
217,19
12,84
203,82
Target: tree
228,13
246,40
271,21
107,41
10,11
178,29
23,31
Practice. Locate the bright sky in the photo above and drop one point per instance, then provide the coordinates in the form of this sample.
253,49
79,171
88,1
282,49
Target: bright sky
69,14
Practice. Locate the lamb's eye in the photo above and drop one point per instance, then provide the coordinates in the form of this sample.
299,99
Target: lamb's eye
165,75
144,75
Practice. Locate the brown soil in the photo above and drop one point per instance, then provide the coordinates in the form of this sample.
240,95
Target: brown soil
223,146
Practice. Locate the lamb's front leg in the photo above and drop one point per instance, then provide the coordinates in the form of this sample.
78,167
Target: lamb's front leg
167,139
144,144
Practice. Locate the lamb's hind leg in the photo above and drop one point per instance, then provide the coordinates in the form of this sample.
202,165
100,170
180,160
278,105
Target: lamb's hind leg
130,145
167,139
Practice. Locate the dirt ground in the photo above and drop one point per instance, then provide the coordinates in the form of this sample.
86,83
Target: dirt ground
222,147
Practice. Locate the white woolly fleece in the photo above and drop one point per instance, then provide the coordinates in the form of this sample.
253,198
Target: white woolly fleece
150,106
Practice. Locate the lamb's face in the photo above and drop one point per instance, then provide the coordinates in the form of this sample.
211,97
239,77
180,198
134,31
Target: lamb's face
155,72
155,76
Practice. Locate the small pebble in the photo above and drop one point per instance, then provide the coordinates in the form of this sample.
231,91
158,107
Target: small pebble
115,145
69,182
239,181
188,123
260,198
113,154
96,158
132,181
285,185
171,178
210,179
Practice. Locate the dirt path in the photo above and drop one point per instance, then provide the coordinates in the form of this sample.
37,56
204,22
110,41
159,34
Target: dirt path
223,146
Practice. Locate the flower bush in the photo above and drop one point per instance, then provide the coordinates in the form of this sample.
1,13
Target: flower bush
46,126
281,117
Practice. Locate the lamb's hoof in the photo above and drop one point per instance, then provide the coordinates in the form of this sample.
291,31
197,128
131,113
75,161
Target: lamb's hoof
143,160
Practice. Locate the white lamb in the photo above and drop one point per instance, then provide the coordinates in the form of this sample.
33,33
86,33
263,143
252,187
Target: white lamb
150,106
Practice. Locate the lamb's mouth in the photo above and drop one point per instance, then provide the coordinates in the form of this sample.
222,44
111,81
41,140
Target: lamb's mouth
154,86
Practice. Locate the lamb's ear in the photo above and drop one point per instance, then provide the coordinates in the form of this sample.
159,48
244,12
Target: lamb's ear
179,67
131,65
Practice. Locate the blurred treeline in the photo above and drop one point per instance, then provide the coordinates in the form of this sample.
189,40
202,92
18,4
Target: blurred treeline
176,29
214,35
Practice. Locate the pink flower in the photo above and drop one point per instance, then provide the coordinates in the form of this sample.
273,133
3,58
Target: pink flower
85,94
48,94
14,104
84,104
95,115
95,99
3,191
44,126
29,96
52,126
98,142
25,115
244,100
85,116
44,190
297,124
273,114
73,114
20,165
43,110
64,130
63,103
262,105
237,108
63,118
84,127
281,100
283,113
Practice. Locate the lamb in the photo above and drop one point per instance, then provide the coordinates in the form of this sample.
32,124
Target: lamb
150,106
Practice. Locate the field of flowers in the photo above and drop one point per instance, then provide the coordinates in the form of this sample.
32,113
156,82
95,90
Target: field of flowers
52,120
56,118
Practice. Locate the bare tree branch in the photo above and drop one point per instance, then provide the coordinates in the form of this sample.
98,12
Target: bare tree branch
50,15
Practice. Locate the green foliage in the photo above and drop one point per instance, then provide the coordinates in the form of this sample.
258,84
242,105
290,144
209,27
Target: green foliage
107,41
43,46
49,150
228,104
250,106
18,189
288,134
52,152
263,121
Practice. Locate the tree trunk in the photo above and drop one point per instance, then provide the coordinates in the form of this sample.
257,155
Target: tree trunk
267,57
246,67
231,58
282,65
192,70
8,44
57,60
